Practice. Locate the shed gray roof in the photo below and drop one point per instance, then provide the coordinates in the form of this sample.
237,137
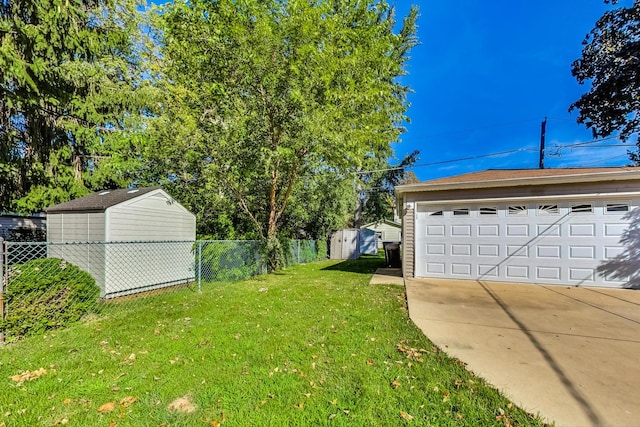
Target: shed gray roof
101,200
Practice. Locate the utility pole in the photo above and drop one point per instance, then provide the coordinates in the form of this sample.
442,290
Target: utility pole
543,131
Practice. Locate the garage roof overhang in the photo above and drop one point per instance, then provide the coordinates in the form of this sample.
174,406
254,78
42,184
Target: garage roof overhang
522,177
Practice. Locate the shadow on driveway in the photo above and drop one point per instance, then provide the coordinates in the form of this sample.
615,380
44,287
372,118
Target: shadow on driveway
569,354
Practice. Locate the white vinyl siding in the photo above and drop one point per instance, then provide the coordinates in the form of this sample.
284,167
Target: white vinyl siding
75,227
153,216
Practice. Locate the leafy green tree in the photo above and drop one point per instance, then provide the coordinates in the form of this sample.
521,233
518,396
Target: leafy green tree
378,198
68,72
273,93
611,62
319,206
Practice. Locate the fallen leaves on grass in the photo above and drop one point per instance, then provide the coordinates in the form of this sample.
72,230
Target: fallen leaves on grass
124,403
128,401
182,404
411,353
216,423
28,376
129,359
503,417
395,384
406,416
107,407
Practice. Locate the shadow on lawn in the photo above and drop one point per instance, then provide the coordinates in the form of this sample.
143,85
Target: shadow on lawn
367,264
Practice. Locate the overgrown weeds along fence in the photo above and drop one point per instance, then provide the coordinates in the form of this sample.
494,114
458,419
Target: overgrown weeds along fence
48,285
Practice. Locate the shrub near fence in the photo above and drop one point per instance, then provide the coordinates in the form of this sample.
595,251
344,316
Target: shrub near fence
228,260
117,269
46,294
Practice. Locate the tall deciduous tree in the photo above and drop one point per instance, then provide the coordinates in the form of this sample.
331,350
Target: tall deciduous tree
276,92
611,62
379,199
67,73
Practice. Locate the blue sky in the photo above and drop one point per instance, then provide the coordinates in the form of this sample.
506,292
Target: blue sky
485,75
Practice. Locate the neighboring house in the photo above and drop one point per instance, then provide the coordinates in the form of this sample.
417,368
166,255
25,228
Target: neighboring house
386,231
549,226
112,217
13,225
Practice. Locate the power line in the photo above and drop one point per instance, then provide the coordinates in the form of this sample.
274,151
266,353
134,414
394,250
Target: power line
583,144
441,162
594,141
605,160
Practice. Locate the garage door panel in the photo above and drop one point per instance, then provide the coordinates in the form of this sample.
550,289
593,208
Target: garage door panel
582,230
549,251
582,274
488,250
548,273
436,249
517,230
436,268
582,252
614,230
518,251
435,230
517,272
611,252
488,271
461,230
458,249
548,229
492,230
461,269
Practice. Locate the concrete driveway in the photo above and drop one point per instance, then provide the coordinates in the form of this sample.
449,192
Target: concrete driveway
570,354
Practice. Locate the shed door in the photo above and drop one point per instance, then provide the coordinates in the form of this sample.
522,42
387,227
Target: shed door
552,242
350,244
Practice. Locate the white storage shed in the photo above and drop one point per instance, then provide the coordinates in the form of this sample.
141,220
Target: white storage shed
549,226
129,240
345,244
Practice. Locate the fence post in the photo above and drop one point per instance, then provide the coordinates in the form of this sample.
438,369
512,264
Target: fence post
199,265
299,241
3,277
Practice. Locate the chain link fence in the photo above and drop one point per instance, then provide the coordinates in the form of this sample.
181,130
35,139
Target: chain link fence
49,285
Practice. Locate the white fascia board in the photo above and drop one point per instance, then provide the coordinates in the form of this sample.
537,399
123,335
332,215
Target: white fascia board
519,182
624,195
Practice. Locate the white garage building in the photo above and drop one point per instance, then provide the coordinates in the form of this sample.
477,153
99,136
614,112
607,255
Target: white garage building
549,226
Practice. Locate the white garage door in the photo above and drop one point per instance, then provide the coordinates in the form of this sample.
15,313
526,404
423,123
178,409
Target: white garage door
553,242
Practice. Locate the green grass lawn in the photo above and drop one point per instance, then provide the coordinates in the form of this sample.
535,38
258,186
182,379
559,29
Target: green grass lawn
312,345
